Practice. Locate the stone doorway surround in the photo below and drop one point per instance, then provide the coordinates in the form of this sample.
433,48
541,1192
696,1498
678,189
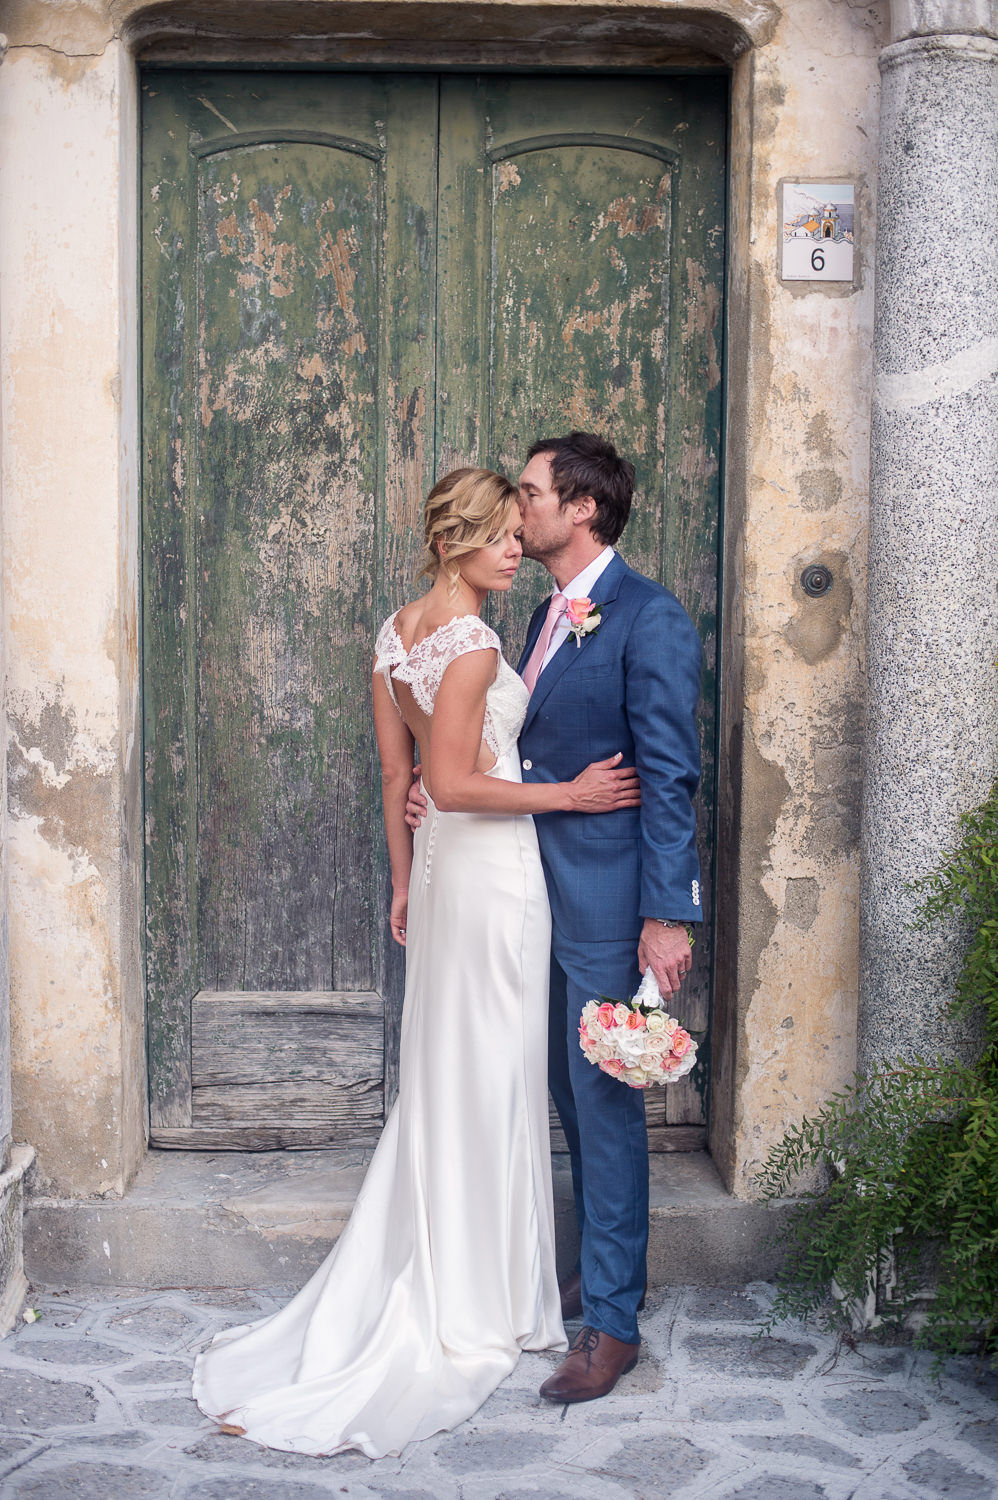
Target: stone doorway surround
796,492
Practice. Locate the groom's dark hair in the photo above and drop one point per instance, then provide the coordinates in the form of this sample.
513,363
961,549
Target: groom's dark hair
584,464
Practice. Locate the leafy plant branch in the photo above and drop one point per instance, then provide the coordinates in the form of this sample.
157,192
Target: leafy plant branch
910,1151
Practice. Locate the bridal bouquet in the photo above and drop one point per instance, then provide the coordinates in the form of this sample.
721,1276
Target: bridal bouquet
639,1043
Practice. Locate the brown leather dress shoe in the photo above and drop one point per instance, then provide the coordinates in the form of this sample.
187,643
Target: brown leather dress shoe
592,1368
571,1296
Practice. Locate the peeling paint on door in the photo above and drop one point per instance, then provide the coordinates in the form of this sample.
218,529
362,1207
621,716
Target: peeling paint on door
315,356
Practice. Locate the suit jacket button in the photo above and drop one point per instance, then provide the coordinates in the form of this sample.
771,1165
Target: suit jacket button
528,765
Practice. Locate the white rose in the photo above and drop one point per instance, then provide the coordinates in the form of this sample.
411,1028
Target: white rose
631,1044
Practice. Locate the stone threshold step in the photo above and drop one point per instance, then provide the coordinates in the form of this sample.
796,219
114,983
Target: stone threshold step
267,1219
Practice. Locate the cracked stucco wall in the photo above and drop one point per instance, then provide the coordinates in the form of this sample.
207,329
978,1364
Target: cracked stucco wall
67,121
805,92
805,105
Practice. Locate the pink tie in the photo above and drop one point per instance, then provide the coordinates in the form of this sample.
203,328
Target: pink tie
532,670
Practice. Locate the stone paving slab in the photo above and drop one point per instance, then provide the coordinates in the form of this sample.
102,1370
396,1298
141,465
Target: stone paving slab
95,1405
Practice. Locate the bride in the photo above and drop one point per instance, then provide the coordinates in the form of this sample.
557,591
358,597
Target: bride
446,1269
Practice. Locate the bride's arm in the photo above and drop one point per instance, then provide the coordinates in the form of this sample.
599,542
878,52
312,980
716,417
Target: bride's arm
455,742
395,747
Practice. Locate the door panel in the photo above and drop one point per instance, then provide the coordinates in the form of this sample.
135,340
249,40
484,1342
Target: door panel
286,379
591,298
353,283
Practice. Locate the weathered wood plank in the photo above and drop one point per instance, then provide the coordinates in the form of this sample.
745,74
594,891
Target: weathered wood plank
358,1105
335,1039
660,1138
167,611
667,1131
263,1137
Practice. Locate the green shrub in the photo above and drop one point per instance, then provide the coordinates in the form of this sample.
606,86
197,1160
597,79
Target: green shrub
913,1148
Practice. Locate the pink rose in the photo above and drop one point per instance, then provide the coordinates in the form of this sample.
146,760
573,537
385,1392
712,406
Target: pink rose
635,1021
577,609
614,1066
670,1064
607,1015
681,1043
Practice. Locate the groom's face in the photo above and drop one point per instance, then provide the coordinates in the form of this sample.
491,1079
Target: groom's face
547,524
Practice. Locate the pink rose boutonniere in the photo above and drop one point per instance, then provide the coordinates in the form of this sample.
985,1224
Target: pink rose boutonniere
583,618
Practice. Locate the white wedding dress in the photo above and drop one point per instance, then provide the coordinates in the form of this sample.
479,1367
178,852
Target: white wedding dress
446,1269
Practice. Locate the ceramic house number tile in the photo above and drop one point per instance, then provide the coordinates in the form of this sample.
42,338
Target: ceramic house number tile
818,228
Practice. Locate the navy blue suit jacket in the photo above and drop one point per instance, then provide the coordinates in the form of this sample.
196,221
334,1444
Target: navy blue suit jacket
633,685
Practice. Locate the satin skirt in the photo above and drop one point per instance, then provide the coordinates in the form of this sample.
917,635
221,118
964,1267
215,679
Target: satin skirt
446,1269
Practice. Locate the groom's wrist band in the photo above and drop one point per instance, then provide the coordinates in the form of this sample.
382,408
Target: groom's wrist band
673,922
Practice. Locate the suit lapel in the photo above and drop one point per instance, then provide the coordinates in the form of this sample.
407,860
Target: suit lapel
569,653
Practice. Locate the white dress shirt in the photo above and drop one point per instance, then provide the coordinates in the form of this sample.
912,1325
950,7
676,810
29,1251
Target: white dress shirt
580,587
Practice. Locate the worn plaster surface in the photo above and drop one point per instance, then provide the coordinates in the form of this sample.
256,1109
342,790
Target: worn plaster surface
96,1402
69,544
797,488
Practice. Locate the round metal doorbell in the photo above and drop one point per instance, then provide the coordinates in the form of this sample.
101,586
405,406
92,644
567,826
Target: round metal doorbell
816,580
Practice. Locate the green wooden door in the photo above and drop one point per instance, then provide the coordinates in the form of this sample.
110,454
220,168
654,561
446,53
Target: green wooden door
352,283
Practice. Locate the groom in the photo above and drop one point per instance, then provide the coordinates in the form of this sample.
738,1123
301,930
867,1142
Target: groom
622,885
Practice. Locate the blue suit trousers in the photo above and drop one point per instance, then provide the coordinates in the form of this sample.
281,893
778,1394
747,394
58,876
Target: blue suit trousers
604,1124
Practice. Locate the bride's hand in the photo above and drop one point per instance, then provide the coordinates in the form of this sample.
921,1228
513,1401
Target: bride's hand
416,805
399,916
605,786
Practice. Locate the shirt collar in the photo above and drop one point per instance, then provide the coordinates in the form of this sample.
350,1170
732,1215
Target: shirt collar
582,585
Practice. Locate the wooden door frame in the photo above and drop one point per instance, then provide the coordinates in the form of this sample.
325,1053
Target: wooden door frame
713,37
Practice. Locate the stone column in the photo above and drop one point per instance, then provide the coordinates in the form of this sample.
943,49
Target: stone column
932,732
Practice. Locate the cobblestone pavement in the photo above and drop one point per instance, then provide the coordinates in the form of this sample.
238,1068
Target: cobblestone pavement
95,1405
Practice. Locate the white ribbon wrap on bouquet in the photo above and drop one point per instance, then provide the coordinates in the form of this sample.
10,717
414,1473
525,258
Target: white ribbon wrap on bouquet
648,991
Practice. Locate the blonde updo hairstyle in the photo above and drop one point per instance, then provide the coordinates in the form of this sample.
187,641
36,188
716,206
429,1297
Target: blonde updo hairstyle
467,509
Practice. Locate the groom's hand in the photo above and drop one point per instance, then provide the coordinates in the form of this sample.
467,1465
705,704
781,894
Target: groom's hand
416,805
666,950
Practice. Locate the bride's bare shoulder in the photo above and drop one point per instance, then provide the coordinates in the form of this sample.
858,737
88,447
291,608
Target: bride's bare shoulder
410,620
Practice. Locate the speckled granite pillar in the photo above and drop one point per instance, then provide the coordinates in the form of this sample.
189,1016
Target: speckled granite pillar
932,735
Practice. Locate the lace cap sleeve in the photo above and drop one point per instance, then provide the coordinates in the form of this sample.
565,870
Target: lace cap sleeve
389,653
